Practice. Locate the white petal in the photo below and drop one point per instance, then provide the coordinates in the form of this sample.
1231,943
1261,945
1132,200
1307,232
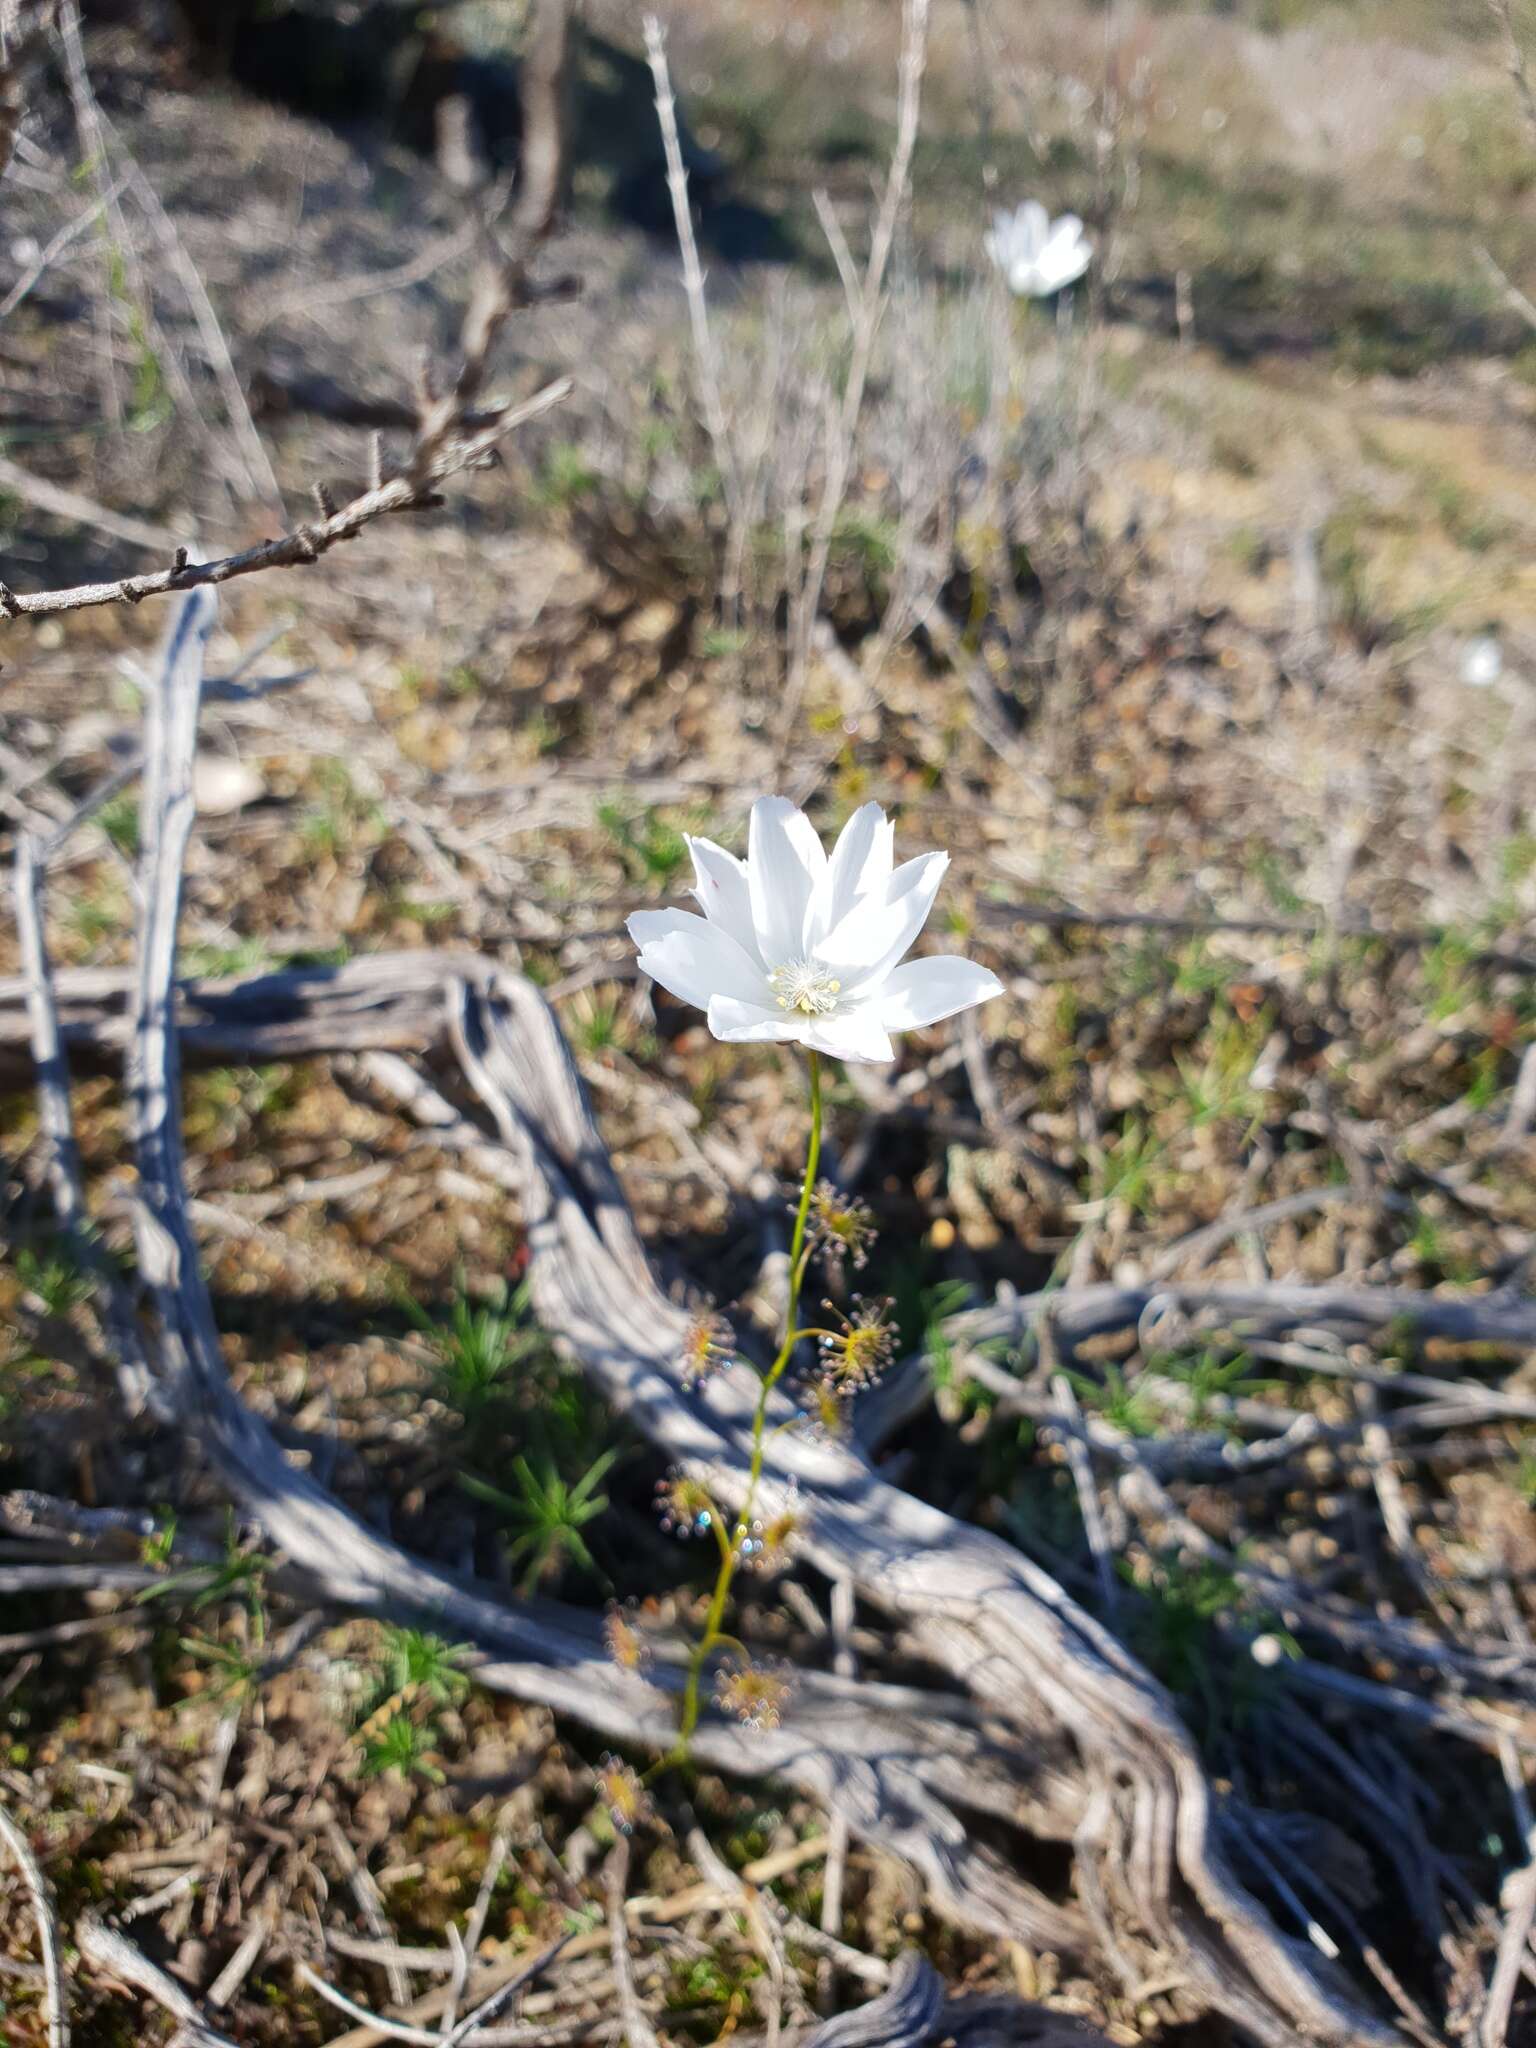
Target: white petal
1060,270
721,892
924,991
1034,224
860,866
752,1022
1064,230
919,873
695,959
856,1034
785,861
863,946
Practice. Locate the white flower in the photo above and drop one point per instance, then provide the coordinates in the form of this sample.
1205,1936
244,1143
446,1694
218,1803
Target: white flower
796,945
1036,255
1482,662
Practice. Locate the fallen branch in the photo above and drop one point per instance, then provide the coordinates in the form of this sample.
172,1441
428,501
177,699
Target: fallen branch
109,1950
638,2031
905,2015
24,25
47,1932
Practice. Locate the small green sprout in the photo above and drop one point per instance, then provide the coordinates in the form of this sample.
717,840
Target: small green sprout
549,1515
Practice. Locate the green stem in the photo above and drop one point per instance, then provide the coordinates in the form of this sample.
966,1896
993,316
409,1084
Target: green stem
730,1554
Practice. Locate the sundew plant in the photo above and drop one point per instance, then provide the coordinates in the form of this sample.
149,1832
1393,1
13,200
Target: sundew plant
800,947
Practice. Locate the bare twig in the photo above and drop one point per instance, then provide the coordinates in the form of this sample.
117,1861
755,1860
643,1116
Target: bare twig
474,1927
370,1904
1522,1104
1515,59
457,430
1519,1916
439,453
638,2031
705,360
1081,1465
54,248
766,1938
845,1663
498,2000
866,307
1513,297
23,26
109,1950
47,1932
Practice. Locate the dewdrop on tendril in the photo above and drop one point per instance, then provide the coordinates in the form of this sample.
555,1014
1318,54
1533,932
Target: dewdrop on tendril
685,1506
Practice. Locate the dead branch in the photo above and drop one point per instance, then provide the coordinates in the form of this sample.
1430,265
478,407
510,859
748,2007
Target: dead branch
1515,62
109,1950
24,26
441,451
705,357
904,2015
47,1931
543,72
866,307
1519,1917
1517,300
638,2031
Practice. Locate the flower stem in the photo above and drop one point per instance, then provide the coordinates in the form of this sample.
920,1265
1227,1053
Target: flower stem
730,1551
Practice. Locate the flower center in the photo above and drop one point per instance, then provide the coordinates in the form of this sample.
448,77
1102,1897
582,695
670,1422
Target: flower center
805,985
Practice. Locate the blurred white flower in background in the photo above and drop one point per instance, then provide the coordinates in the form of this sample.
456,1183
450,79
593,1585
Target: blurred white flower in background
1482,662
1037,255
796,945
